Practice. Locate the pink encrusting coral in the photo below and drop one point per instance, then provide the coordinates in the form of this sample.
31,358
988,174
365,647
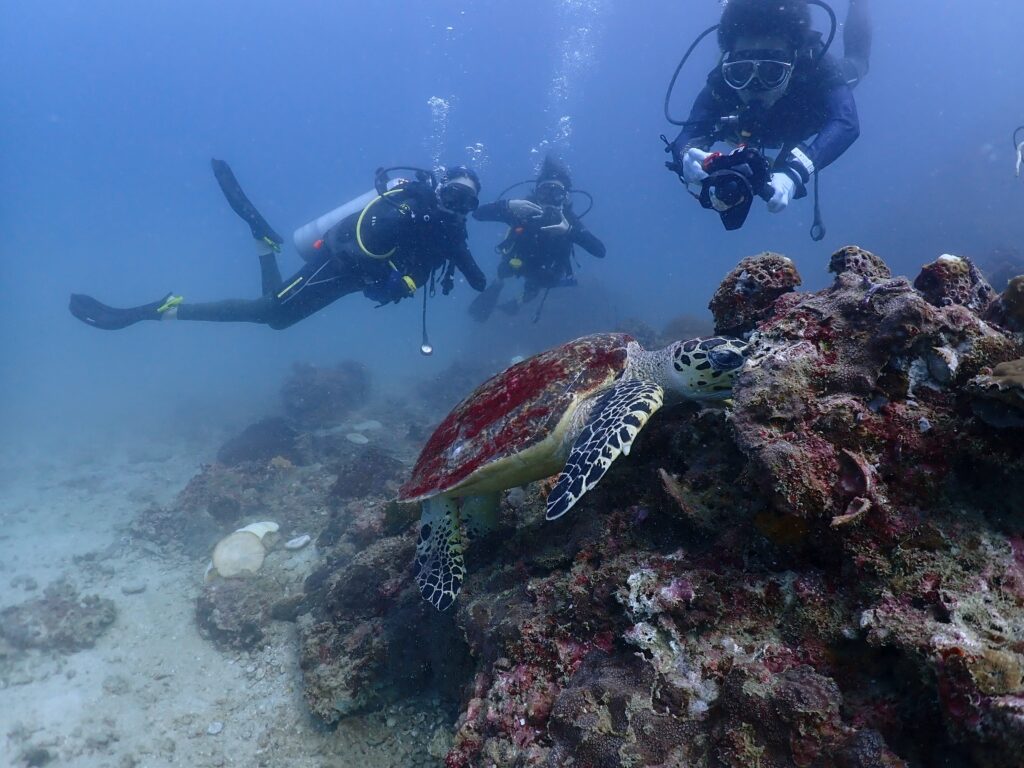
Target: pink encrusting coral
830,572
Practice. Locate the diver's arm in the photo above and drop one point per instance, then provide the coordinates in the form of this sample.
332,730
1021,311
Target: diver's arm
700,125
584,238
467,265
841,129
496,211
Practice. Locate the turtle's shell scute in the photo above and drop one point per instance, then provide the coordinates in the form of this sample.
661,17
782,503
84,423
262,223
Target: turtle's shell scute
514,410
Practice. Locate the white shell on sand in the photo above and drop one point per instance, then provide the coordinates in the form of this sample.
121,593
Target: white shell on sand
239,554
367,426
298,542
261,529
357,438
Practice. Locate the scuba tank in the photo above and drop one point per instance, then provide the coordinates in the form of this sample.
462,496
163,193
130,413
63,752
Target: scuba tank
306,236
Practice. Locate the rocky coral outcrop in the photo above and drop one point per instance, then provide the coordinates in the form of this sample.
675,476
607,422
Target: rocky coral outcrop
60,620
830,572
1008,309
997,397
747,293
261,442
955,280
317,397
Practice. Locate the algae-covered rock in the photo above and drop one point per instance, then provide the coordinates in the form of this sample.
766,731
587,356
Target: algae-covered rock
61,620
748,292
317,397
997,398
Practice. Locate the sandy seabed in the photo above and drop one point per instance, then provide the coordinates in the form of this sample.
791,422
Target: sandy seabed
151,691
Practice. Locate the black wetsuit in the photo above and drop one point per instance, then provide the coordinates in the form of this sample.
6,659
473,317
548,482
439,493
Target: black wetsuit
420,238
819,103
546,257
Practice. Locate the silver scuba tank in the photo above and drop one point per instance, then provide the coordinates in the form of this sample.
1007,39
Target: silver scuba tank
306,236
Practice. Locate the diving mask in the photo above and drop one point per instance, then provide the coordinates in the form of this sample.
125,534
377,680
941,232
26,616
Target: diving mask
551,193
769,69
458,196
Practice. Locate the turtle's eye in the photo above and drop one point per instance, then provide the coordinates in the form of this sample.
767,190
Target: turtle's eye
725,359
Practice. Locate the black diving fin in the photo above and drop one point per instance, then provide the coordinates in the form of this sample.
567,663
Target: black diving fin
99,315
241,204
483,305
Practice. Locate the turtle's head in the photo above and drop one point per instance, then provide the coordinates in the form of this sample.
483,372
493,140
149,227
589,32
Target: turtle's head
704,369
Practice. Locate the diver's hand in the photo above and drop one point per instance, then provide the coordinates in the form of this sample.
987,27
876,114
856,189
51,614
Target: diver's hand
524,209
784,187
693,165
392,288
561,228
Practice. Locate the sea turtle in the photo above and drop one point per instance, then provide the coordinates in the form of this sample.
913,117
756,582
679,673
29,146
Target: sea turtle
572,409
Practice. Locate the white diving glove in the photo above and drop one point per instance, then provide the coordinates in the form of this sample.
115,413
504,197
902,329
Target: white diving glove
524,209
557,229
785,188
693,165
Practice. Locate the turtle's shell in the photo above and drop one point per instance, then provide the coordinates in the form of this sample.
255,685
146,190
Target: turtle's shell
512,412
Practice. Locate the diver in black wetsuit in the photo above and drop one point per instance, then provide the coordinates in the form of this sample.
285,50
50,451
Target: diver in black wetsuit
539,246
774,89
388,248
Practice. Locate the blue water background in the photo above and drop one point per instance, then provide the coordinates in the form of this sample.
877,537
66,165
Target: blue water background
111,111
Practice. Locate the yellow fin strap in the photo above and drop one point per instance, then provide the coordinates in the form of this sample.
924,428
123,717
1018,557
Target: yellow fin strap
359,228
515,263
275,247
171,303
410,283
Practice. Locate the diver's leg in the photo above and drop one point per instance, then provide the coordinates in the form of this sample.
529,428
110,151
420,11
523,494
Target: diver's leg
311,289
270,273
481,308
856,42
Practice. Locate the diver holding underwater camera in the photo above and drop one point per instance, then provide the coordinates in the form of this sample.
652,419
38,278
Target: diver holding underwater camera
775,87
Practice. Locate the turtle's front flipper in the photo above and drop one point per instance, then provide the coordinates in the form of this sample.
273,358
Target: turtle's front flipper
439,565
616,419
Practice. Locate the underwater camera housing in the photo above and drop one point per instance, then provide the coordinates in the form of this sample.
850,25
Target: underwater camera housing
733,181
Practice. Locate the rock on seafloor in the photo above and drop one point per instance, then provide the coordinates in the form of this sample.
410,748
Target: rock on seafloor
830,572
61,619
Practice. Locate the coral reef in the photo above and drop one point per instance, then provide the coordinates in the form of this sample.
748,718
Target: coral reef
234,613
261,442
827,572
860,262
998,397
747,293
954,280
60,620
371,472
315,397
1008,310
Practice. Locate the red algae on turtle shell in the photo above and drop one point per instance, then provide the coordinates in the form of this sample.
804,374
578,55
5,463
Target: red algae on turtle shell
513,410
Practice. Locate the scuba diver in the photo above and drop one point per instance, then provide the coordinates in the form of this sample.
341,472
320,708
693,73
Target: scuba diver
1018,146
775,87
387,244
540,243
